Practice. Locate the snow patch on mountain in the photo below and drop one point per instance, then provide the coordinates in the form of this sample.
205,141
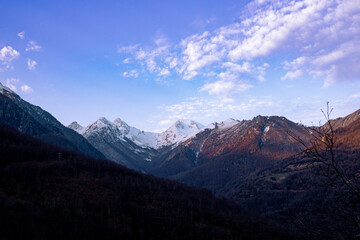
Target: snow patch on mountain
122,126
139,137
228,123
222,125
3,88
266,129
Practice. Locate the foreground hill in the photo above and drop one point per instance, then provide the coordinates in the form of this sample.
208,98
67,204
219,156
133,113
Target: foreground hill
33,120
51,193
306,191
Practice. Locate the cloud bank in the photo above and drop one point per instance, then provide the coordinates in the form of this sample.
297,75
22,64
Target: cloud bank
322,35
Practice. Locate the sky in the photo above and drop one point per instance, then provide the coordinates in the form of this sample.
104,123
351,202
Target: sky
151,63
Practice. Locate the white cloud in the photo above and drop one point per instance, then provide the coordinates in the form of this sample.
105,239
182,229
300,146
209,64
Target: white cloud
128,49
21,35
153,58
126,60
161,39
205,110
172,61
201,23
192,108
272,26
292,75
322,34
14,83
164,72
230,80
198,52
189,75
219,87
131,74
245,67
33,46
7,55
26,89
31,64
353,96
165,122
338,64
225,87
296,63
332,51
261,78
261,72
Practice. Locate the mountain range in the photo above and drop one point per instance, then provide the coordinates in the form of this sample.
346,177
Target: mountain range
205,156
261,163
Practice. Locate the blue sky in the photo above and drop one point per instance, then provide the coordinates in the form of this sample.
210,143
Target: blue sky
153,62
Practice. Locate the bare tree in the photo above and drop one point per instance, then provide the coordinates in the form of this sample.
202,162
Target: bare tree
330,163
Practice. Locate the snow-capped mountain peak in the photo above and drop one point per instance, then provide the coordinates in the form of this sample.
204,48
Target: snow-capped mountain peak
76,127
101,123
103,127
180,131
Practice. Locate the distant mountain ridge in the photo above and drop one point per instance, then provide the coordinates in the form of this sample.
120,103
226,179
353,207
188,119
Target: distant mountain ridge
342,122
207,156
132,147
213,156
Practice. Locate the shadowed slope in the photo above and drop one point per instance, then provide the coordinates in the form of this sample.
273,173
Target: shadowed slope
33,120
47,195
